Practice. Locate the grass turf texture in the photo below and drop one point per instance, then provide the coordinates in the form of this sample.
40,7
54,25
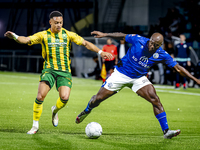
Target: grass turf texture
127,120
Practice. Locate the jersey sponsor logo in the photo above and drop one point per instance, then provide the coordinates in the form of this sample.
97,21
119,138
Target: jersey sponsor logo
142,61
57,40
185,46
135,58
57,44
155,55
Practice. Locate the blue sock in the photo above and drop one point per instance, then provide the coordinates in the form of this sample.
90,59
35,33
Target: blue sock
162,118
88,108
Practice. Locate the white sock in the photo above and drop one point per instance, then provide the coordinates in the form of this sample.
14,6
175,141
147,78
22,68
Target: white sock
36,124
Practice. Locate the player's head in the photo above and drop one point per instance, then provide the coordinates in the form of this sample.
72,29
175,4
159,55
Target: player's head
155,42
56,21
109,41
182,38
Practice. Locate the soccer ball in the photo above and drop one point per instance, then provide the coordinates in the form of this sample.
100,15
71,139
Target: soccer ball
93,130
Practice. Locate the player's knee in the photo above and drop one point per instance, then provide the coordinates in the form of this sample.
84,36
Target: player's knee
64,97
40,97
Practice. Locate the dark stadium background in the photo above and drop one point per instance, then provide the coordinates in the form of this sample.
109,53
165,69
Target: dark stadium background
26,17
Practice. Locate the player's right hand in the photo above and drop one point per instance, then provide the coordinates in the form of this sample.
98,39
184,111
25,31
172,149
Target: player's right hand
106,55
98,34
9,35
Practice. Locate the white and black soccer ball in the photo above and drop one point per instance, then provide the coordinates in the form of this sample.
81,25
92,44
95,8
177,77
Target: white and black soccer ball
93,130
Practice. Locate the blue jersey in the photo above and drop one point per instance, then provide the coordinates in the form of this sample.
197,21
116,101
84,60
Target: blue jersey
138,59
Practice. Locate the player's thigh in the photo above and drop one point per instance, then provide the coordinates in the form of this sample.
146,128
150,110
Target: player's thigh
148,92
63,85
43,89
139,83
64,92
115,82
64,80
47,77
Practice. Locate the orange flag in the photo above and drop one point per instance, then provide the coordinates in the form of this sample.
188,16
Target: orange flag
103,72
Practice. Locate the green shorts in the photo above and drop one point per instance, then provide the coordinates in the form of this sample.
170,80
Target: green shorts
60,78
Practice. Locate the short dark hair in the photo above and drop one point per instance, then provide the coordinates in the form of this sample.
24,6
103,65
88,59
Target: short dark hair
55,14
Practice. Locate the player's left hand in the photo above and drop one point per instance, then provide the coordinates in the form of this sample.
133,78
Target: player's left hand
106,55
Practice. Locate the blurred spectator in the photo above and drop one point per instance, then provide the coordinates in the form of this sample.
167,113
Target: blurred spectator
122,49
169,73
197,73
110,48
182,56
169,49
96,72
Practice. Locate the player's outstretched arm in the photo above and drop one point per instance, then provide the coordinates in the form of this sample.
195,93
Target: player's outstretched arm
183,72
93,48
19,39
116,35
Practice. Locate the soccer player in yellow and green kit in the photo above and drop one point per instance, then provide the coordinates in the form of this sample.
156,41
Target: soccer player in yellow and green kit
56,46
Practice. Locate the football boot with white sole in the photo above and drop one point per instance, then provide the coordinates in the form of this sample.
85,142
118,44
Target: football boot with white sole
171,133
33,130
54,117
81,117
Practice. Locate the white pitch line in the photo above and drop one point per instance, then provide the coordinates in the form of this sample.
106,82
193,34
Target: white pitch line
163,87
12,83
177,92
21,77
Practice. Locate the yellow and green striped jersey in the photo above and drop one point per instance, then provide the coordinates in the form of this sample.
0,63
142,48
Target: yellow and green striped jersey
56,48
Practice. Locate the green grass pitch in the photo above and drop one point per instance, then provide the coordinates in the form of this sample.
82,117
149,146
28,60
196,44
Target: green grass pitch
127,120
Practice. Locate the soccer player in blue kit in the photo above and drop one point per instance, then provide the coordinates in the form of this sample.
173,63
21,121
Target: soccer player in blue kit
131,71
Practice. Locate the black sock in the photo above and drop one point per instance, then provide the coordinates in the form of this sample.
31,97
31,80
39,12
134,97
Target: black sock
165,131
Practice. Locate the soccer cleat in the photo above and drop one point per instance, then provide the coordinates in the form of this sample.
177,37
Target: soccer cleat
81,117
54,117
171,133
33,130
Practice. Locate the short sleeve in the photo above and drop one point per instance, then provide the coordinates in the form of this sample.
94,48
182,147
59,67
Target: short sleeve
131,38
76,38
169,61
36,38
